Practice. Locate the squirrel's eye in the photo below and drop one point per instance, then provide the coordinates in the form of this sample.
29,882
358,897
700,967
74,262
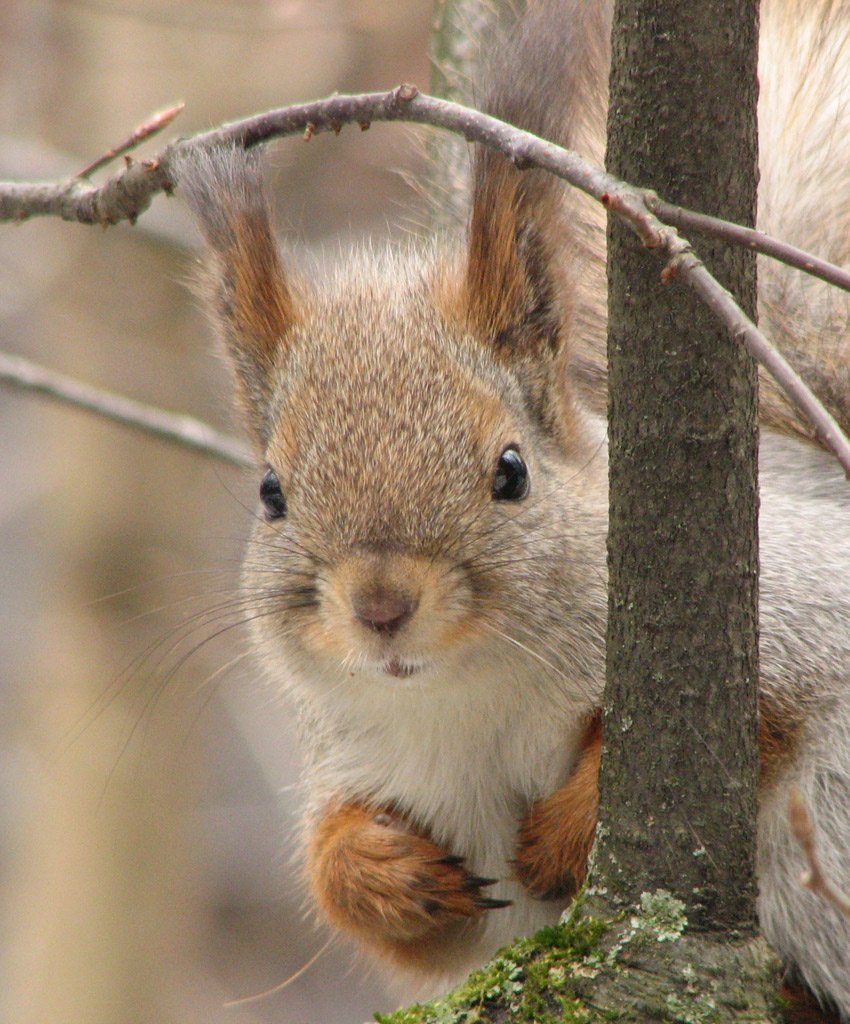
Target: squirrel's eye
511,480
274,503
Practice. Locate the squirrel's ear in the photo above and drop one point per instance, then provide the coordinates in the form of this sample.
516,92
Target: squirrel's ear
242,280
517,291
514,287
514,292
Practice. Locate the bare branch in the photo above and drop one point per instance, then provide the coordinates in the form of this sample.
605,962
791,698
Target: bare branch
803,830
30,159
724,306
129,193
684,263
184,430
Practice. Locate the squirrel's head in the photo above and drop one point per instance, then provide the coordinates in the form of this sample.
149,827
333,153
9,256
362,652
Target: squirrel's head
416,437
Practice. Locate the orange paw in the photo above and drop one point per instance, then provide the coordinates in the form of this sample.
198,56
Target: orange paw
556,836
375,876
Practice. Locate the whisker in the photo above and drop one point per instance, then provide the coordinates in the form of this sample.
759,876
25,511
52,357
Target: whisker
523,647
152,701
157,581
182,630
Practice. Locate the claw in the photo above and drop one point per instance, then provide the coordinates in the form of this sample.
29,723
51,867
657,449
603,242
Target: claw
476,882
487,903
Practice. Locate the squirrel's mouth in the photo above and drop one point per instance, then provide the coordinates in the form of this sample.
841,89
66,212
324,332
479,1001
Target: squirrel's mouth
391,667
399,669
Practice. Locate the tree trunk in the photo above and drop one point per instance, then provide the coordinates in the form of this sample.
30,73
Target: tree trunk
679,775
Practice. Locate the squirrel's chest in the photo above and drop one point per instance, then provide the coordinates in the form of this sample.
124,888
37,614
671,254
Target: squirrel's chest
467,768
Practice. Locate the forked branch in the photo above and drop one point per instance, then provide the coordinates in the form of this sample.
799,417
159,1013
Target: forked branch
126,195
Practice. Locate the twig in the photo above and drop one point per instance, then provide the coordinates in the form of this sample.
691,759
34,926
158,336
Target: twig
750,238
129,193
184,430
684,263
803,830
155,123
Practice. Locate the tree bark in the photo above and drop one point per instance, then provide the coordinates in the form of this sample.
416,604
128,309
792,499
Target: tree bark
679,775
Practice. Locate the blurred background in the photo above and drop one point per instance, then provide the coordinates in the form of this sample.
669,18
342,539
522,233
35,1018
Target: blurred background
148,782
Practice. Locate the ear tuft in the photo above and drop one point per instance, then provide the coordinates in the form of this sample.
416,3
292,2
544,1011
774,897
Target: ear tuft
514,294
517,292
242,281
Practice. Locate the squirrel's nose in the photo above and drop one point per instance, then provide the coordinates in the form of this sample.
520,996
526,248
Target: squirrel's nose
383,609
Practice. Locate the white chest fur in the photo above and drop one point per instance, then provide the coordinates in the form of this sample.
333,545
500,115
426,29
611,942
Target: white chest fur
464,755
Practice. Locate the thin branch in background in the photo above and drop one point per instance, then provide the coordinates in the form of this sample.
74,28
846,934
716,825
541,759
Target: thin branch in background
180,429
154,124
803,830
130,192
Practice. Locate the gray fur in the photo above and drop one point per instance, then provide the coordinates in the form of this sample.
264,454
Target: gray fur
385,414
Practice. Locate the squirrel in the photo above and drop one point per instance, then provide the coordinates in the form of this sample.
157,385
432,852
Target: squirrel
429,567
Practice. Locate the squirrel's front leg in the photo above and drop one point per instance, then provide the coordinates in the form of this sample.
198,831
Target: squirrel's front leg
556,836
376,877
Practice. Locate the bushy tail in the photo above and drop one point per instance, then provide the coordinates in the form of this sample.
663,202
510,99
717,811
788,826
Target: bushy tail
804,194
560,92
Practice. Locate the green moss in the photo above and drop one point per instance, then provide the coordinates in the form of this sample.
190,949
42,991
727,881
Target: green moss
533,981
641,964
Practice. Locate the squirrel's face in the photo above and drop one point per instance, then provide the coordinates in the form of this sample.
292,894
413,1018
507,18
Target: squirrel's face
429,490
401,494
